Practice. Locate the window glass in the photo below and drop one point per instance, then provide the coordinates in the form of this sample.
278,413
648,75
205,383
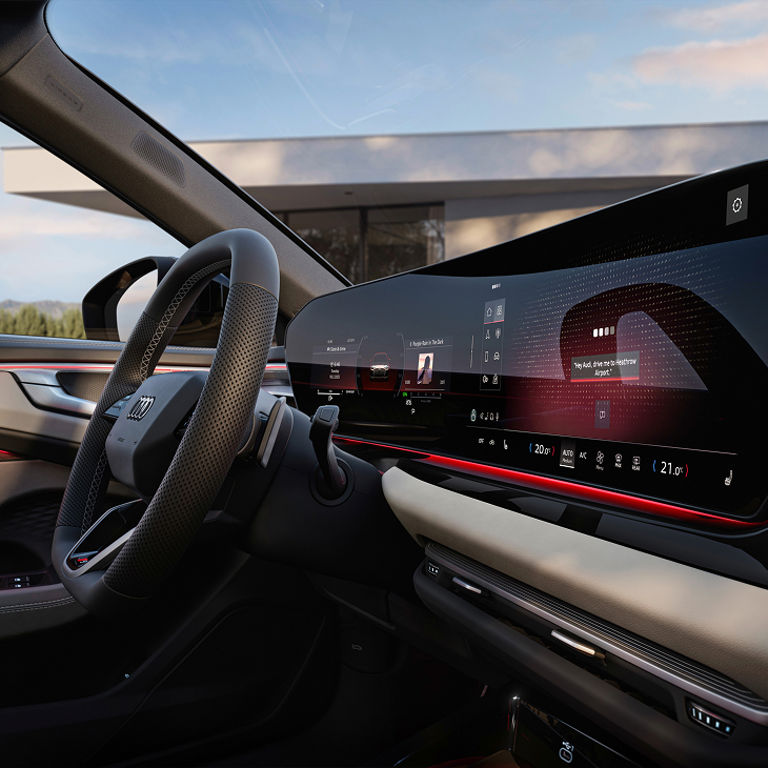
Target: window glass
369,243
403,238
334,234
275,68
55,245
512,116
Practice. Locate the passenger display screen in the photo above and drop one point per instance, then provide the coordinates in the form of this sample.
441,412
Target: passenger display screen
646,374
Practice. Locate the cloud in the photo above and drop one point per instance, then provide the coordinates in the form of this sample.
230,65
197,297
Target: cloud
632,106
27,225
613,81
719,16
164,51
578,47
136,34
717,64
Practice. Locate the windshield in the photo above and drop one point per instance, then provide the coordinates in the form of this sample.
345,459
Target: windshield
394,134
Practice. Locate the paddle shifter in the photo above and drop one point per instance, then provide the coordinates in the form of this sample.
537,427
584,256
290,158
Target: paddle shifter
333,482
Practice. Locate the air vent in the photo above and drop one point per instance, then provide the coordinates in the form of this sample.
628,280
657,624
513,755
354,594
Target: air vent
153,152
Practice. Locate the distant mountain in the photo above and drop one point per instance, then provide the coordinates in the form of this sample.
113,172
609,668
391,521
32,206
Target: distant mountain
54,309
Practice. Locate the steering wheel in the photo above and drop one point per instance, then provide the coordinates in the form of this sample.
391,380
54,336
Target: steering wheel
107,567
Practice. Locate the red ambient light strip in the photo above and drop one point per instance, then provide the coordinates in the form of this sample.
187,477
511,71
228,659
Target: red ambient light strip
566,487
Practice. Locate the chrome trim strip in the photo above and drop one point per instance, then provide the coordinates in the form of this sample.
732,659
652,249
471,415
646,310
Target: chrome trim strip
271,430
587,650
453,561
467,586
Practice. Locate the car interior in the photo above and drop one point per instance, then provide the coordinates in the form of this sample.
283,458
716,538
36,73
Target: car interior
507,509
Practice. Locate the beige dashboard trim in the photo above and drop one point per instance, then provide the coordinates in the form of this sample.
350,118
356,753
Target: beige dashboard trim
715,620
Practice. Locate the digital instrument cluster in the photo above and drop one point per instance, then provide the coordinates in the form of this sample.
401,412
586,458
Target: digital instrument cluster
589,352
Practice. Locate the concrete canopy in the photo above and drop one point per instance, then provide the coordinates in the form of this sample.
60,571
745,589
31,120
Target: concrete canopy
495,185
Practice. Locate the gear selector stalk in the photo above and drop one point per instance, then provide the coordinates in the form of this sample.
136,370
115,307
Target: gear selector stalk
324,423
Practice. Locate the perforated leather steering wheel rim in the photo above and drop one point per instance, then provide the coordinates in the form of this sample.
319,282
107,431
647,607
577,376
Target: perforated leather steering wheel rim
211,440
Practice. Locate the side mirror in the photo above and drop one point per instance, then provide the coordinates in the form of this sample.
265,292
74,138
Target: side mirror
200,327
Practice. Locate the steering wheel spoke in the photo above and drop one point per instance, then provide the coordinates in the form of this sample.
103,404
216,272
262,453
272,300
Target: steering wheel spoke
102,542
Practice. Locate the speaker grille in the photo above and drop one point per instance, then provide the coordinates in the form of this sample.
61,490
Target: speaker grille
153,152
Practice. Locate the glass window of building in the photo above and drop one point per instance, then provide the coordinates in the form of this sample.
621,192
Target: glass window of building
335,235
370,243
402,238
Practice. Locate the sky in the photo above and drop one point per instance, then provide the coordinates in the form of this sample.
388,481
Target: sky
245,69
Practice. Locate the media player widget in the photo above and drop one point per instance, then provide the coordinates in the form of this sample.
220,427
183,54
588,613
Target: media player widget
428,362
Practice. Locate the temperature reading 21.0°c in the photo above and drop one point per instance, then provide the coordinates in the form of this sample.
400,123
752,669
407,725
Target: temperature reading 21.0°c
669,468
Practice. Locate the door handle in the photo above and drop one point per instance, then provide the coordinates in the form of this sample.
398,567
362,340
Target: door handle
43,389
54,398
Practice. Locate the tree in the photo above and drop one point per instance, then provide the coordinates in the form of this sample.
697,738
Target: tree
72,324
7,321
30,321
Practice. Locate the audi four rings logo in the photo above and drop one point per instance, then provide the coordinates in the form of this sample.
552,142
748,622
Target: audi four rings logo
141,407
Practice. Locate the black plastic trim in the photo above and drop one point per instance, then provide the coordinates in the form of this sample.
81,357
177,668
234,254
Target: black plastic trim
38,446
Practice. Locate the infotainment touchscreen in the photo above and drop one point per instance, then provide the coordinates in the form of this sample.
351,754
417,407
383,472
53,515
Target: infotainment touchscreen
644,372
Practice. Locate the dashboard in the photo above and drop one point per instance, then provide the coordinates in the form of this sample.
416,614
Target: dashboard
572,425
620,359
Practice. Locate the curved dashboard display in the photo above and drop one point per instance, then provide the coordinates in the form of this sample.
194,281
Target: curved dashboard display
625,350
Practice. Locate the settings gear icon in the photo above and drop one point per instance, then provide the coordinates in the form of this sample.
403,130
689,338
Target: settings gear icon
737,204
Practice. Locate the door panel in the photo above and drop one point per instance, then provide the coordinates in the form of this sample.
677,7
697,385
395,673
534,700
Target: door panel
18,413
31,599
48,388
79,679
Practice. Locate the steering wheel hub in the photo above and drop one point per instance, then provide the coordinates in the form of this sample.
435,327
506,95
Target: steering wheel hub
148,431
